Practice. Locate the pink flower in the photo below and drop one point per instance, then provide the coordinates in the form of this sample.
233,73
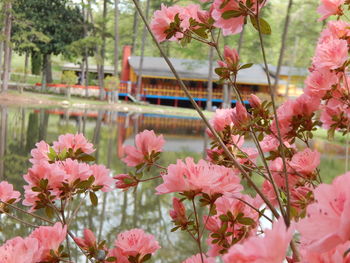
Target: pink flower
319,82
117,253
331,55
40,153
271,248
19,250
231,59
179,212
335,30
74,142
337,255
136,242
147,144
88,241
163,18
125,181
305,105
221,119
328,219
75,170
306,161
330,7
7,194
50,238
240,115
198,259
202,177
269,143
102,178
234,24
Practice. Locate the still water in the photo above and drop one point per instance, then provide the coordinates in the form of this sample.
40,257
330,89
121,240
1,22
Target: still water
21,128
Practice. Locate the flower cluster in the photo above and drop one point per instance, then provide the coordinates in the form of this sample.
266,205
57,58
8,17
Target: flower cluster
42,245
178,23
62,171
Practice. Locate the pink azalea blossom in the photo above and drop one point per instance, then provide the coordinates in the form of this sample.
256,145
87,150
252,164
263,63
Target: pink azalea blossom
306,105
7,193
330,7
50,238
331,54
102,177
40,153
335,30
19,250
74,142
146,143
221,119
306,161
319,82
75,170
136,242
254,101
328,219
163,18
202,177
118,254
198,259
271,248
88,241
232,25
338,254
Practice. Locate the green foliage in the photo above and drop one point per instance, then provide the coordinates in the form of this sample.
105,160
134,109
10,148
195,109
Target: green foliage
111,83
69,78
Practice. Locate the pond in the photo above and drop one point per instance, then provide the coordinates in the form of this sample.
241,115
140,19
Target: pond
21,128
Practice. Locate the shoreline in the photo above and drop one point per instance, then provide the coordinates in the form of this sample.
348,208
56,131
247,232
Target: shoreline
38,100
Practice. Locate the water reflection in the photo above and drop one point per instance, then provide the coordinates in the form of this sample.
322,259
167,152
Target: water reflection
21,128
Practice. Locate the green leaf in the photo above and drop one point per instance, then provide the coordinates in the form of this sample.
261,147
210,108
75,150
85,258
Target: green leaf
264,25
246,221
231,14
111,259
249,65
49,211
86,158
93,198
146,257
224,218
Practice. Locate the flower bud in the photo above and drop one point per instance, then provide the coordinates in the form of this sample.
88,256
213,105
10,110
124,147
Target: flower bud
90,238
203,16
231,56
179,212
240,116
254,101
125,181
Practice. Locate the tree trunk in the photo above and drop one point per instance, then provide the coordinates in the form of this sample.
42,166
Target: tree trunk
210,80
240,41
7,59
116,46
43,78
103,50
283,45
86,76
49,78
3,131
134,29
82,72
26,62
144,39
36,63
85,81
294,57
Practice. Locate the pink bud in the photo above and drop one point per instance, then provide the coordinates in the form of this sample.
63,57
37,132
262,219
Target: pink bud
254,101
124,181
179,212
203,16
231,56
222,64
80,242
240,116
90,238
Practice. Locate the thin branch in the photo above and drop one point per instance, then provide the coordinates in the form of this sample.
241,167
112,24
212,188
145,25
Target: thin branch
217,137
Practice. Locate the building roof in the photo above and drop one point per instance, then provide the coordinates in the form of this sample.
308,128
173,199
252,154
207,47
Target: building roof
289,71
92,68
194,70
